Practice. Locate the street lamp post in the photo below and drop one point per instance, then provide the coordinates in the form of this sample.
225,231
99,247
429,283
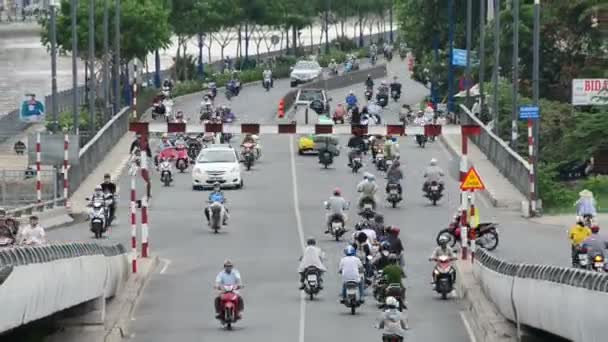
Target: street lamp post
482,54
515,61
450,56
117,64
106,62
467,82
495,70
390,22
535,97
201,71
92,80
52,8
75,109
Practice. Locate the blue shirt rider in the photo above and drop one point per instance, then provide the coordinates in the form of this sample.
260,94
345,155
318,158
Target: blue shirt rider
351,100
217,195
586,204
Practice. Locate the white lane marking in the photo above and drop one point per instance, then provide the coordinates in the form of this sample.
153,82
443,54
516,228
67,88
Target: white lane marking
467,326
166,263
296,203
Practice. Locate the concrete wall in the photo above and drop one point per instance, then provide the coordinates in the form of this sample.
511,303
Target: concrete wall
567,302
36,282
515,168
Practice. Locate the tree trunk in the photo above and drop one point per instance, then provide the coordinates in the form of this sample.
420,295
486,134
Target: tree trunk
294,40
360,30
209,48
281,41
312,43
247,41
322,35
342,34
239,46
286,41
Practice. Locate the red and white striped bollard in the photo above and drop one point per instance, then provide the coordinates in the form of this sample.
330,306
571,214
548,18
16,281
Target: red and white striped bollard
144,227
133,226
66,144
38,175
134,105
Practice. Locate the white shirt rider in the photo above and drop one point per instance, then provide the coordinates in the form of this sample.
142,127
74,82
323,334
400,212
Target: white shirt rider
349,268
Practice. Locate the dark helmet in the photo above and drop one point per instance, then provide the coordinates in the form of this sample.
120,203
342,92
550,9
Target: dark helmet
311,241
361,237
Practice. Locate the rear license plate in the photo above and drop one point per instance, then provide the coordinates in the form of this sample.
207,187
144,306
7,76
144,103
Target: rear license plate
394,191
434,188
312,277
599,265
351,292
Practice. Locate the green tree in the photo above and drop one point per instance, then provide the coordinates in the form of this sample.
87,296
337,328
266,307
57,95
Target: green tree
144,28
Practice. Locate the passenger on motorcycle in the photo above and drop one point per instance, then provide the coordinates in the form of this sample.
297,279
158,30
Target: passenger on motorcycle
355,116
378,226
216,198
369,232
395,86
336,205
357,144
228,276
351,268
368,188
341,112
391,321
586,204
595,243
179,117
442,250
420,120
313,256
394,175
433,173
377,145
351,100
109,187
577,234
167,83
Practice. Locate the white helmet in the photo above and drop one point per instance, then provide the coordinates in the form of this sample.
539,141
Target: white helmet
351,92
443,240
392,302
433,161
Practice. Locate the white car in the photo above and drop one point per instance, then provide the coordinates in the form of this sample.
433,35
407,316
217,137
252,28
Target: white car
306,96
305,71
217,163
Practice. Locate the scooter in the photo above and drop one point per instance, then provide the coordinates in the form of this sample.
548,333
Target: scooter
393,195
312,281
352,299
181,162
598,263
434,192
248,156
444,276
326,158
166,176
267,83
98,219
356,164
229,305
336,224
395,95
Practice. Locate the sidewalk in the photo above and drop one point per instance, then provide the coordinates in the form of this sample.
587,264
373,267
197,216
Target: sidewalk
499,190
566,220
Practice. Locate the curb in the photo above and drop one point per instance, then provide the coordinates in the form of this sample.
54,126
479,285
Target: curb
487,193
126,303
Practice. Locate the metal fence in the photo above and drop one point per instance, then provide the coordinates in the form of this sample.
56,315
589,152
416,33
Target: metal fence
18,187
25,255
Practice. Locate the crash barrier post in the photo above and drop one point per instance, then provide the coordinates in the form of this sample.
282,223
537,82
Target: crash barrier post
133,222
473,223
144,227
38,175
282,108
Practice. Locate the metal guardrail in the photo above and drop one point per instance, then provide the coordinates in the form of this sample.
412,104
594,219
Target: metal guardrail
575,277
25,255
36,207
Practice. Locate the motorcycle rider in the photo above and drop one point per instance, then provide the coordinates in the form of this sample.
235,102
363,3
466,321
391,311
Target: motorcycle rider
109,186
391,320
97,194
336,205
394,274
369,232
164,142
368,188
391,148
9,227
137,145
357,144
333,66
433,173
351,100
396,245
32,234
373,50
442,250
395,86
595,244
167,83
394,175
214,200
228,276
350,268
586,205
179,117
355,116
267,74
382,258
369,82
377,146
577,234
313,256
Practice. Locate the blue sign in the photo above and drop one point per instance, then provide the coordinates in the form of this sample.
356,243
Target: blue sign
459,57
529,112
32,111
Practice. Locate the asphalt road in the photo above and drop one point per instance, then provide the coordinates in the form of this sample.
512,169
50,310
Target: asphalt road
281,205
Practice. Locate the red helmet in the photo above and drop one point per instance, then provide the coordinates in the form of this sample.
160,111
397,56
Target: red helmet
337,192
595,229
395,230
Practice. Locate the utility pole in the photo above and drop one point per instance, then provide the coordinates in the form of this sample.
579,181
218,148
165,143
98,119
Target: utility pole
514,109
106,62
92,81
482,55
535,97
390,22
451,108
495,71
75,109
53,10
467,82
117,64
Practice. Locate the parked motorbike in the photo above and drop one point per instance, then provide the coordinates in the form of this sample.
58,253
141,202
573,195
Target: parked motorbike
486,235
445,275
312,282
166,175
248,156
352,299
393,195
229,306
434,192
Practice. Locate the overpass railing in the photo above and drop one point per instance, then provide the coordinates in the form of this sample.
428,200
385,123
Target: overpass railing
564,301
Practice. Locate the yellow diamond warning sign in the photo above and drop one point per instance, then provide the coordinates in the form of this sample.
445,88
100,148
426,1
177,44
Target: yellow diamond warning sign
472,181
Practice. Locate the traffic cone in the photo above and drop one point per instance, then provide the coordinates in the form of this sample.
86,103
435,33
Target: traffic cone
282,108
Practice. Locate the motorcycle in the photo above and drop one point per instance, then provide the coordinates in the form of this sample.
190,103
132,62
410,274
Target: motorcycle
98,219
166,91
312,283
391,338
379,287
352,299
267,83
339,116
166,176
336,224
421,140
434,192
248,156
356,164
485,235
598,263
382,100
393,195
367,211
444,276
368,94
381,164
215,215
395,95
348,66
326,158
212,90
181,162
229,306
581,259
373,59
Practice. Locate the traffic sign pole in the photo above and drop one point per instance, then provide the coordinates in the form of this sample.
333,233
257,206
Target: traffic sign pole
532,174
